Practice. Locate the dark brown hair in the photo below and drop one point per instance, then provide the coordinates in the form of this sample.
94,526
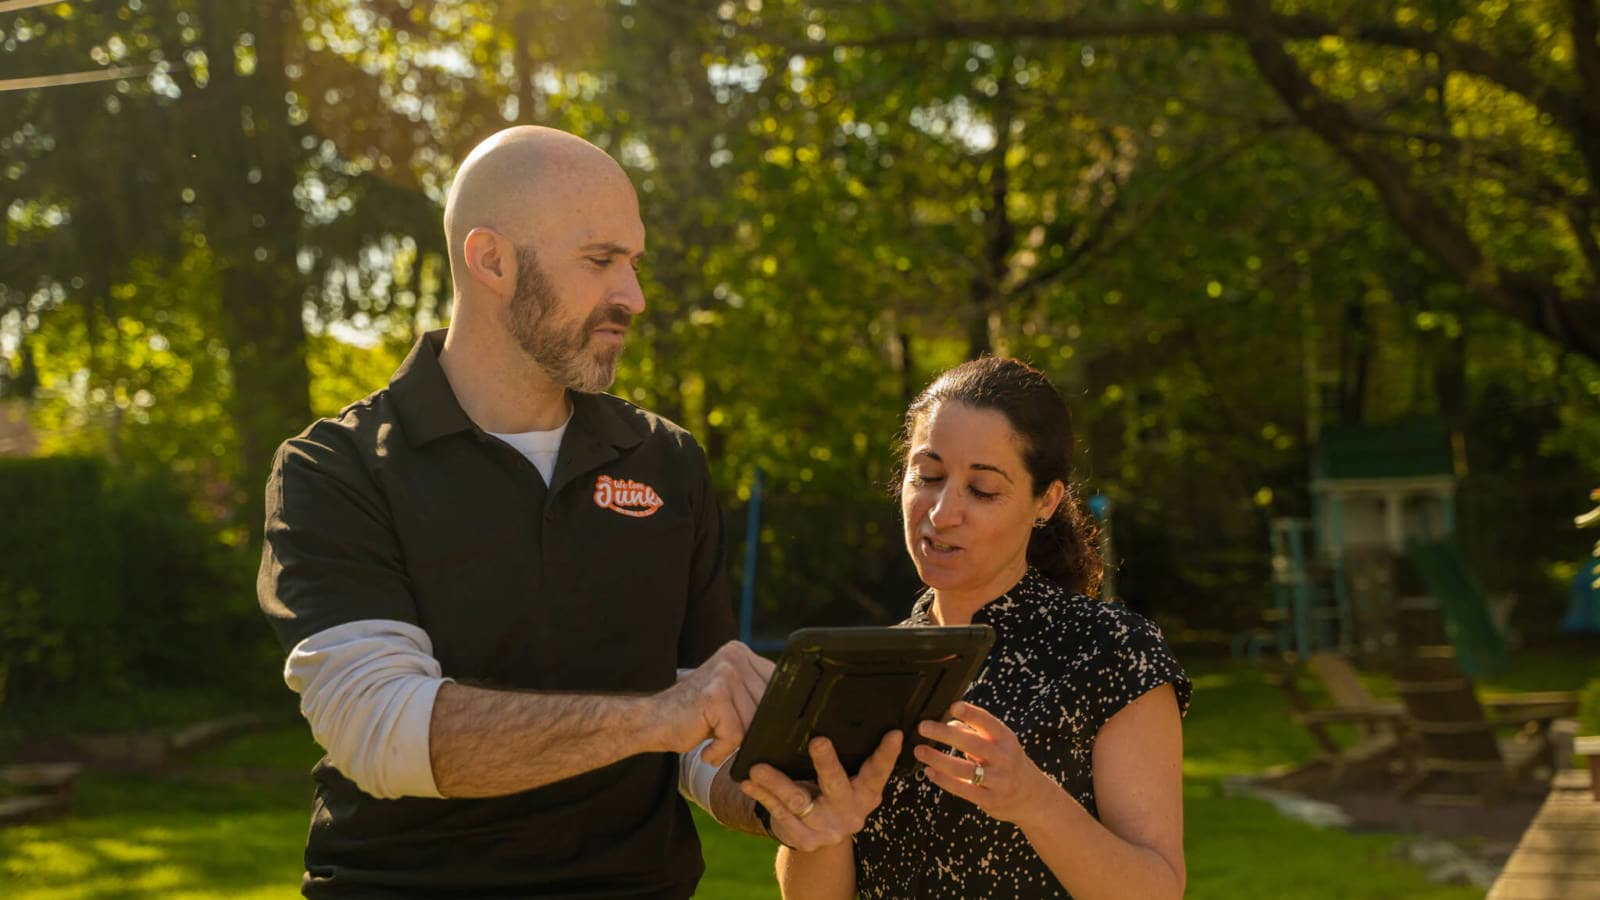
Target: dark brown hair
1066,548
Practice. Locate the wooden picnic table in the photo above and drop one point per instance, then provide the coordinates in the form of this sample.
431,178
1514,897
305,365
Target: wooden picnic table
1558,857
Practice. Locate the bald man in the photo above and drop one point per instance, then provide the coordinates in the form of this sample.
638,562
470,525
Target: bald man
501,590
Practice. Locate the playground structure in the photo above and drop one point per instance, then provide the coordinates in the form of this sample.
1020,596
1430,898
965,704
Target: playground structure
1375,569
1583,610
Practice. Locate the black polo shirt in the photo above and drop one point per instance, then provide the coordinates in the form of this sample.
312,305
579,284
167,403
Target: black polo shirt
609,579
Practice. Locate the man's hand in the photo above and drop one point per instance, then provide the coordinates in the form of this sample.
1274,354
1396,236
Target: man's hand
809,820
716,700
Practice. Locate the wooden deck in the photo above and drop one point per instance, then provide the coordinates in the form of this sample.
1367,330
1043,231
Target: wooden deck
1558,857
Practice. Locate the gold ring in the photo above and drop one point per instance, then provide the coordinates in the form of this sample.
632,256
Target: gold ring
810,805
977,775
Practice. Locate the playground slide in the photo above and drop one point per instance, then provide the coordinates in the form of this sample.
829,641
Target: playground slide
1480,647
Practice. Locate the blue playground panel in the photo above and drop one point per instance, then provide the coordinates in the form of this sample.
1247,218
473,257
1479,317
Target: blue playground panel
1583,609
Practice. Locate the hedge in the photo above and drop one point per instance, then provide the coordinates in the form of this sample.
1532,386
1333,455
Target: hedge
109,582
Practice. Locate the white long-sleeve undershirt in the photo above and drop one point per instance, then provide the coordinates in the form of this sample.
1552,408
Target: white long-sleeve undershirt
367,689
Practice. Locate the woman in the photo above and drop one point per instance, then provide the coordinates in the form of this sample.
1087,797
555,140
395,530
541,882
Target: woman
1064,777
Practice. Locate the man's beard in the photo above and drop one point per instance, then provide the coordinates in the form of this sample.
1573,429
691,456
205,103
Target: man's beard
564,353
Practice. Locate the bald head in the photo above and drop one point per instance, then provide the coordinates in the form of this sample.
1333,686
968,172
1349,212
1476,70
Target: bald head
524,181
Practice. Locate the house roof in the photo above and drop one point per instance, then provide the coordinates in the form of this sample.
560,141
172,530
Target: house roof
1409,449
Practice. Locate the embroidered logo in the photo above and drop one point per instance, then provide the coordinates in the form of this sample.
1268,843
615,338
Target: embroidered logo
631,498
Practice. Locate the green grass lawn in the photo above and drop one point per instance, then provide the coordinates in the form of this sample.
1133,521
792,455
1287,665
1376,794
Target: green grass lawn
234,825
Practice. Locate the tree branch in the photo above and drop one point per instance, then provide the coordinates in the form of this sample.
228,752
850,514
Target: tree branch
1077,27
1541,189
1103,238
1585,29
1583,227
1461,56
1527,297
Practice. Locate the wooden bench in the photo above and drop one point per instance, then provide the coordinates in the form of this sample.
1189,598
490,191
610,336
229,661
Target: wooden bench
44,789
1558,857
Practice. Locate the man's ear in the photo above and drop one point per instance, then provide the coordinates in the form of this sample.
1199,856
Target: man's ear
491,260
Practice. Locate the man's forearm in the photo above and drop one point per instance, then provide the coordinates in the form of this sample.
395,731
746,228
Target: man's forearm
489,743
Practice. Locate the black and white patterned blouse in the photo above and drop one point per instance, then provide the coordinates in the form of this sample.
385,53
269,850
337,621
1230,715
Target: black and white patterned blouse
1061,666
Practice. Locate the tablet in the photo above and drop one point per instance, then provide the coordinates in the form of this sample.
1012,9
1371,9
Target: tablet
852,686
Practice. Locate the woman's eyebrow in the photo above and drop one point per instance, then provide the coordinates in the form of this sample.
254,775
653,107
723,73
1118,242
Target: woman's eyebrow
988,468
985,467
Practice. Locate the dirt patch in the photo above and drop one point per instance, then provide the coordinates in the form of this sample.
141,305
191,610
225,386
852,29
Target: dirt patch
1490,831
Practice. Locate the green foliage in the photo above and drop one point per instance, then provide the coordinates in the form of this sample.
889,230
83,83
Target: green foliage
1589,708
112,584
58,580
342,373
149,389
187,598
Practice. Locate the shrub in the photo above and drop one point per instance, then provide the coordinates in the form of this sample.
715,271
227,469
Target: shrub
1589,708
59,558
109,583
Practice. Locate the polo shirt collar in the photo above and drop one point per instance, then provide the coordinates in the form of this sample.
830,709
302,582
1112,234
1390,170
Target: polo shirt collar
428,408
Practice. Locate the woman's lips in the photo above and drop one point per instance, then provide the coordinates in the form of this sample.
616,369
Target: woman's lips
938,550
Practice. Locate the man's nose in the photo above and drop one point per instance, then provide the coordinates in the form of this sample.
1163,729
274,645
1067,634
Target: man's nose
630,296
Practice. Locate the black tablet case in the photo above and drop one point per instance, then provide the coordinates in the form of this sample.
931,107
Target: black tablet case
852,686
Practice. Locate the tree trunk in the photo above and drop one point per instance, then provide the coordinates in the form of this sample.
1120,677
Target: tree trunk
1355,361
254,229
999,232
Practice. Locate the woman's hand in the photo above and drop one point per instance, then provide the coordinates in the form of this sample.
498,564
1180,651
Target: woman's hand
807,820
997,776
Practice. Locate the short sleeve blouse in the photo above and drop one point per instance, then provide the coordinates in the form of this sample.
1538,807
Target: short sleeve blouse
1060,668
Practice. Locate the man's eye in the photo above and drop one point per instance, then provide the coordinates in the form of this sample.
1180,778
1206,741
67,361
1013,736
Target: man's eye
600,261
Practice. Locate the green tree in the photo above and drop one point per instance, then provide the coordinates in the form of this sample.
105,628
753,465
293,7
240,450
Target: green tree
1477,125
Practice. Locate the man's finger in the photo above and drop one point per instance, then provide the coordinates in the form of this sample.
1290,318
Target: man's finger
744,705
754,672
747,658
727,731
764,667
743,675
718,751
751,685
